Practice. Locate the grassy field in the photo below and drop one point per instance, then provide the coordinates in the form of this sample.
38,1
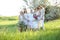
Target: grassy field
9,30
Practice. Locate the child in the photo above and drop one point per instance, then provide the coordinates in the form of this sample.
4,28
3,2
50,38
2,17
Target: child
42,16
32,22
41,12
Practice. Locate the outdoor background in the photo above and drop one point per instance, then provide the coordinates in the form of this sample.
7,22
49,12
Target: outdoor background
9,12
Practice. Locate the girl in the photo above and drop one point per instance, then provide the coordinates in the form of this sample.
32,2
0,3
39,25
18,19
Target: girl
25,18
37,15
21,21
42,17
34,21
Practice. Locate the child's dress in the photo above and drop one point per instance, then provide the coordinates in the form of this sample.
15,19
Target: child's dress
32,22
42,17
37,18
30,18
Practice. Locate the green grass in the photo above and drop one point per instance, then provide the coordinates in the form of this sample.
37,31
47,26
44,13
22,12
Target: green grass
9,31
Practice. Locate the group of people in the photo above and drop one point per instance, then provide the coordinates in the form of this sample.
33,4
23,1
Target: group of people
32,19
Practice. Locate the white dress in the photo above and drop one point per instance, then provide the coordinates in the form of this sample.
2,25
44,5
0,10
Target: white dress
31,23
25,19
39,14
42,16
30,18
35,23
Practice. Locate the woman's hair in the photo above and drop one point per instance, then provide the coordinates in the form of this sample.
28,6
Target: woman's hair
35,9
38,8
25,11
43,6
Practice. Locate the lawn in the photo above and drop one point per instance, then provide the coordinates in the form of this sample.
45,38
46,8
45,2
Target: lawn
9,31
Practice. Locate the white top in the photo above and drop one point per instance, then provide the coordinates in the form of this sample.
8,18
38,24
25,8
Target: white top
25,19
32,23
38,13
21,18
25,16
30,17
42,13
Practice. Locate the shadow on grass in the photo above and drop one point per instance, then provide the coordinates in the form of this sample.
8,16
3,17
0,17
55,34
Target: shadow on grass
11,28
46,35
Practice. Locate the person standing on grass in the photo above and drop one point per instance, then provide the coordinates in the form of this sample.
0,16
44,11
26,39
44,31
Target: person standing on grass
41,22
21,21
26,18
30,18
35,23
38,13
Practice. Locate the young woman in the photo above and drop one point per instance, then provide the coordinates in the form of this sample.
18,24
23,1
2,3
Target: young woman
21,21
30,19
41,12
25,18
42,17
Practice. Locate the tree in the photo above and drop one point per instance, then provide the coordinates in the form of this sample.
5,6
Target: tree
35,3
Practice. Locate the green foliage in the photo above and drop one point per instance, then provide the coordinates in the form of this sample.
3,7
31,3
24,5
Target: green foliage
52,12
35,3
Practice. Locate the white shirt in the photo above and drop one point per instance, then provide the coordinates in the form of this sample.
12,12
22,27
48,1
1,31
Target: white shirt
38,13
42,13
21,18
25,19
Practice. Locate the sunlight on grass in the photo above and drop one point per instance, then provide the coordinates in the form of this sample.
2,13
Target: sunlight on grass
8,22
53,24
9,31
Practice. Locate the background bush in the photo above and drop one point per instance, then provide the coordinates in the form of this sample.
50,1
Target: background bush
52,12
